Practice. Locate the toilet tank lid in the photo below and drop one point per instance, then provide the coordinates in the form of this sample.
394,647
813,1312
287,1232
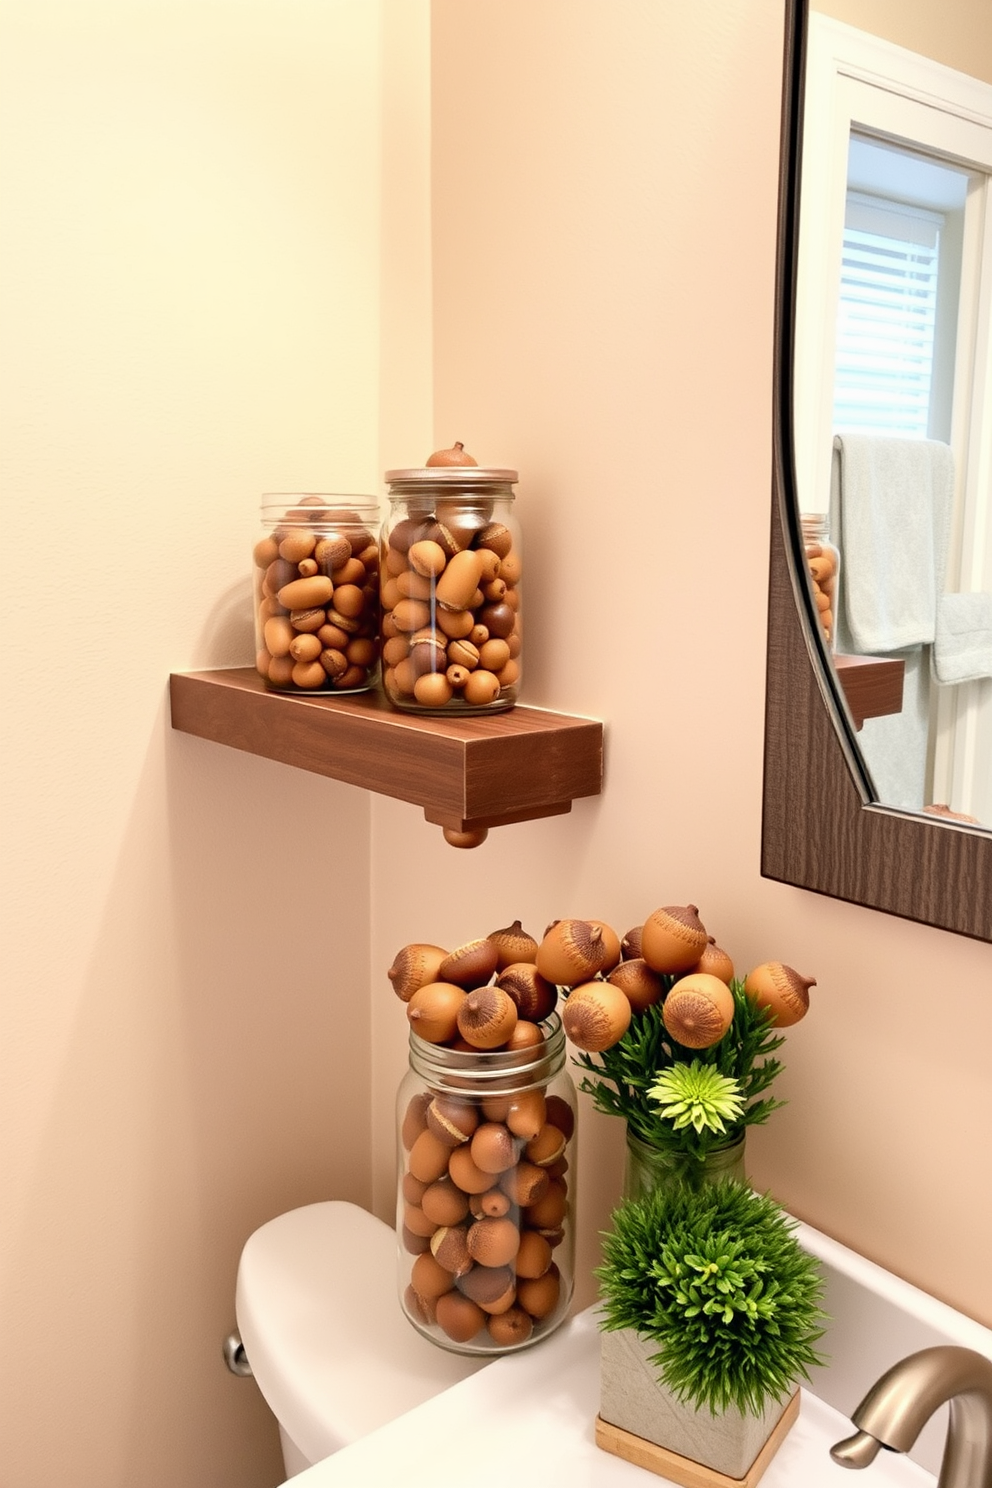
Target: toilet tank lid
321,1324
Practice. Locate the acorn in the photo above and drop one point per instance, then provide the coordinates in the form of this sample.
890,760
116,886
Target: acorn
490,1287
716,962
641,986
526,1035
512,944
492,1204
428,1158
443,1204
433,1011
527,1114
459,1317
533,1257
511,1328
470,965
571,952
449,1249
535,997
493,1149
698,1010
493,1242
413,967
525,1184
539,1297
562,1115
612,948
456,455
487,1017
470,1178
630,945
673,938
451,1120
428,1278
784,992
596,1016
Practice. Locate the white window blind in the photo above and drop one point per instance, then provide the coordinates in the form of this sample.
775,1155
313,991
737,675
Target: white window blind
886,317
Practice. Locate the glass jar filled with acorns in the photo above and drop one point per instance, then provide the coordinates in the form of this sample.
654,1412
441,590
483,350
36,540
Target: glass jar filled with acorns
316,593
450,573
486,1149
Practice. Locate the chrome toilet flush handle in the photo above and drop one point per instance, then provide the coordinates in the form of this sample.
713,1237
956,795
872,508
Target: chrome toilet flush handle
900,1403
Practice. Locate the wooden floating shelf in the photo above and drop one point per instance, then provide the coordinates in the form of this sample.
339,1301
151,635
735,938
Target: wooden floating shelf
872,685
468,774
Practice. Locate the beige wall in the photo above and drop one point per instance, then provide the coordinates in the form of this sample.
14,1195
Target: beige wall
191,316
604,222
958,34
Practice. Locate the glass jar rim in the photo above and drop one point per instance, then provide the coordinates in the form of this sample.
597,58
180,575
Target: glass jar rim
491,1071
468,477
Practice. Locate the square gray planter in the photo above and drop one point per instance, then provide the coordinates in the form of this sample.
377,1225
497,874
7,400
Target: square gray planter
633,1398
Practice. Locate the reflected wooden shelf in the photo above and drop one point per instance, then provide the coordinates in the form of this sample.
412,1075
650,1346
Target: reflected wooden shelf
468,774
872,685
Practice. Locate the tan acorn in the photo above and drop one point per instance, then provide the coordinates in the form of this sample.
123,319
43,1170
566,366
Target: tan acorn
487,1017
784,992
413,967
641,986
511,1328
630,945
673,938
470,965
612,948
534,995
512,944
433,1011
596,1016
698,1010
526,1035
571,952
456,455
716,962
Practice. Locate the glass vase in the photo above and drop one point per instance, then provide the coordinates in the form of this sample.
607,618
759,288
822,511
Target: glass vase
648,1167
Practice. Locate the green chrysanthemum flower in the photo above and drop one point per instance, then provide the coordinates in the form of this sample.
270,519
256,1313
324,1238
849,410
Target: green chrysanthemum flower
697,1095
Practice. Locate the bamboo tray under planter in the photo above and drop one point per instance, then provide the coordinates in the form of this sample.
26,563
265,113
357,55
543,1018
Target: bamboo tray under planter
682,1470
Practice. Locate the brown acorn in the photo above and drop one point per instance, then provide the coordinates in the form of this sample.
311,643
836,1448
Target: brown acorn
698,1010
716,962
571,952
470,965
641,986
596,1016
673,938
534,995
783,991
630,945
512,944
612,947
456,455
413,967
487,1017
433,1011
511,1328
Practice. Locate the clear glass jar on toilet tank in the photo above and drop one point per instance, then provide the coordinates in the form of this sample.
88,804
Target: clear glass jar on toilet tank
486,1193
450,585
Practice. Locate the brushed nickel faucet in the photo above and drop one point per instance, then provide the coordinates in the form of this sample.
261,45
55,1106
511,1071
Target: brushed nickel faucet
898,1406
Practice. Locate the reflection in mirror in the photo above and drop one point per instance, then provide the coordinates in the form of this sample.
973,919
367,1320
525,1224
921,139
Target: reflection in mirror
824,826
893,369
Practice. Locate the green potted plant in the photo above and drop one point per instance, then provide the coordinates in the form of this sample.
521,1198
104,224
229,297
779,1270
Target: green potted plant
710,1314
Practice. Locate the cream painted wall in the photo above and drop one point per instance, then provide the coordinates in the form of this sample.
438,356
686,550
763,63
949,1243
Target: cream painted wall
191,291
958,35
604,237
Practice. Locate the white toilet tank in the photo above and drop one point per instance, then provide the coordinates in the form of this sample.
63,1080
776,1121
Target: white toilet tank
324,1333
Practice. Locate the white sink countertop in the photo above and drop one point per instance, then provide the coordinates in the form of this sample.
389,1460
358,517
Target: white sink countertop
528,1418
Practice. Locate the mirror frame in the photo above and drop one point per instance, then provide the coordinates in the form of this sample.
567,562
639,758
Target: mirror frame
821,829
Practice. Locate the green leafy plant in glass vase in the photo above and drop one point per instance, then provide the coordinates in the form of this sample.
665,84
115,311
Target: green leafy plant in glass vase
671,1040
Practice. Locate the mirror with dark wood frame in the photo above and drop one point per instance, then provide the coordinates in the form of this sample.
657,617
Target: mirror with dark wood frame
822,829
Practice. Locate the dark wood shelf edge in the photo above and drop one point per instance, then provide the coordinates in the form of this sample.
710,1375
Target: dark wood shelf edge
466,773
872,685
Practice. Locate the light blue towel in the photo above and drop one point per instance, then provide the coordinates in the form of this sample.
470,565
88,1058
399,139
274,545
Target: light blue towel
894,498
962,649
